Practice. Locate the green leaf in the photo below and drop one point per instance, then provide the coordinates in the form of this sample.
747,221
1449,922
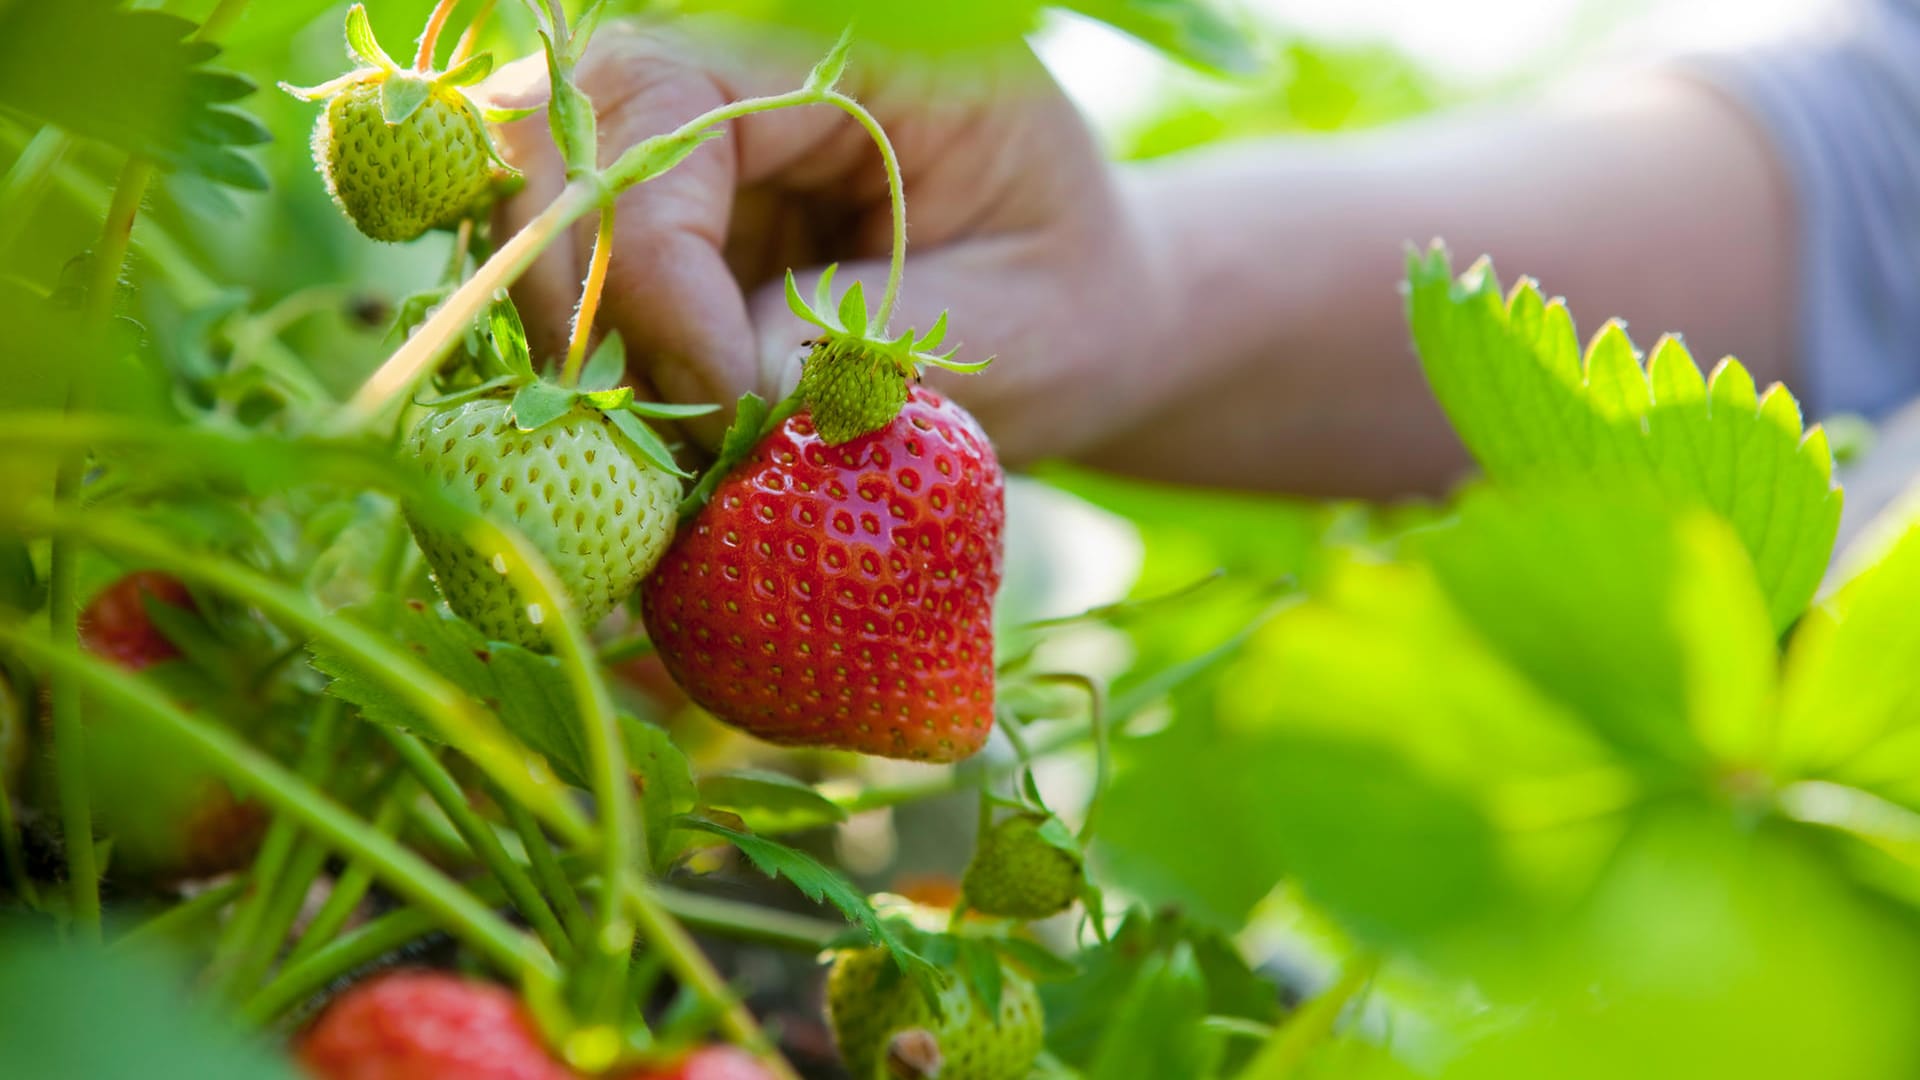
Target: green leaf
665,780
1645,623
1155,1030
607,366
769,801
1850,707
72,1009
817,883
1512,380
979,964
401,96
135,80
540,403
527,691
749,418
362,45
473,70
510,336
1196,31
570,114
647,443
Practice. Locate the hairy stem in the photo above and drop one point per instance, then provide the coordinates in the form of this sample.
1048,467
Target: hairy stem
253,772
181,916
351,887
430,37
470,39
896,194
589,308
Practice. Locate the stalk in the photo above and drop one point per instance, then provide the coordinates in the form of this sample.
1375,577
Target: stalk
352,885
181,915
430,38
246,768
589,308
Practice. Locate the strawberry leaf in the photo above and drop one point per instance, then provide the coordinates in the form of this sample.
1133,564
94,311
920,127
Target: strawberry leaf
607,366
647,443
649,158
540,403
1195,31
135,80
1512,379
769,801
980,966
401,96
819,884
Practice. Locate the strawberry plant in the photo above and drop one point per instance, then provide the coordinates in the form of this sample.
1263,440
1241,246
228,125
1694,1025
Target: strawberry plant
386,694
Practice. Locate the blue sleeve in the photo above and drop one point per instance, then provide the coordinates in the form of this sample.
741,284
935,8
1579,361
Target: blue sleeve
1843,109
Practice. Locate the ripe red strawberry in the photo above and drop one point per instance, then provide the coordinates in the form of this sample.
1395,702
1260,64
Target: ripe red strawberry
421,1025
708,1063
842,596
115,624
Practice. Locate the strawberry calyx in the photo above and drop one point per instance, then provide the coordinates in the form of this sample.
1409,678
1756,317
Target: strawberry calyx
539,401
855,378
404,90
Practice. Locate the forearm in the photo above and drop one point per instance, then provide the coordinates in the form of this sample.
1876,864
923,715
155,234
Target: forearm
1661,206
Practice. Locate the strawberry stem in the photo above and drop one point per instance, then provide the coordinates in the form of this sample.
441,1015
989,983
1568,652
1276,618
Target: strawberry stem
470,38
590,291
430,37
260,776
897,197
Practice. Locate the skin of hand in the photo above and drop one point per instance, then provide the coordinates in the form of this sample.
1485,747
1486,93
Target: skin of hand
1230,318
1017,225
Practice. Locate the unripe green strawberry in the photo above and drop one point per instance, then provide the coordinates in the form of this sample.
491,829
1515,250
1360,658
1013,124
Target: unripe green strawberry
851,388
583,495
402,150
1020,872
396,181
869,1002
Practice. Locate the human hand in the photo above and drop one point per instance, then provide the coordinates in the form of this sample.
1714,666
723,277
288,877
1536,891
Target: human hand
1016,222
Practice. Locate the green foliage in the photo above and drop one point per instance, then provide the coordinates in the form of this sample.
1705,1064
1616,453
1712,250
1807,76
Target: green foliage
1532,408
132,79
69,1009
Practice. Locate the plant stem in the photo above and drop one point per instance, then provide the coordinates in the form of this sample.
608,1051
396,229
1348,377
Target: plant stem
456,718
351,887
1097,724
304,975
896,194
695,971
430,37
436,336
471,37
441,787
546,869
180,916
747,922
1294,1041
250,770
224,15
68,719
589,308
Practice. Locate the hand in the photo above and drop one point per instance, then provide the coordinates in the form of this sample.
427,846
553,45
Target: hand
1015,220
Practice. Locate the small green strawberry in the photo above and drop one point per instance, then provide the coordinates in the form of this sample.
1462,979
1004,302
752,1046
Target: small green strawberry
402,151
1025,866
869,1003
855,379
573,469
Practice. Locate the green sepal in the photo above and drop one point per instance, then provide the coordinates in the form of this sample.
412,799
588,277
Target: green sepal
647,443
331,86
571,114
649,158
660,410
401,96
607,364
471,71
362,45
608,400
826,74
461,397
540,403
495,114
510,337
